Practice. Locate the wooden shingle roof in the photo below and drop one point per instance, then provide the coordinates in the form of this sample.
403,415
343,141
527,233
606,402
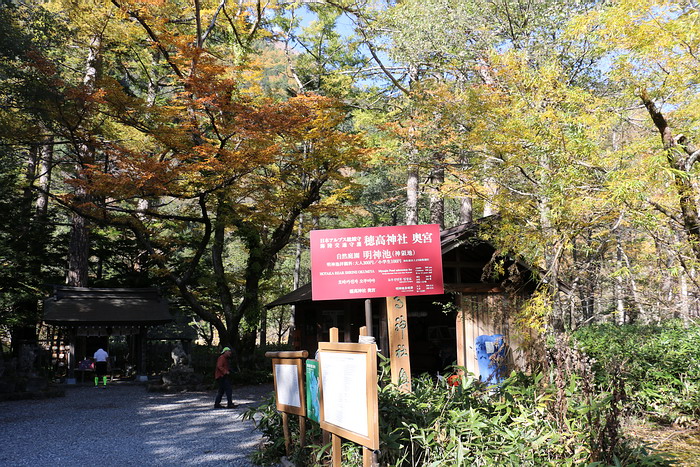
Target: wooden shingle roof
106,306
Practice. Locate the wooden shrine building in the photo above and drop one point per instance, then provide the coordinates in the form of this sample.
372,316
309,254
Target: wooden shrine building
84,319
482,293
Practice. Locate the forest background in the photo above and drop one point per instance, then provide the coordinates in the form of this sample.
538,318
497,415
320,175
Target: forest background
192,144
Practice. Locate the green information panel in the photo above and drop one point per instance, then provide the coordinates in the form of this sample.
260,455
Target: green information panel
313,408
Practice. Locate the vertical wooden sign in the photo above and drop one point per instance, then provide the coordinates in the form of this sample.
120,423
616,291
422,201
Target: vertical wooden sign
397,319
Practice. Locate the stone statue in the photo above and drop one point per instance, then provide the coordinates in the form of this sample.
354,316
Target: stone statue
179,355
27,356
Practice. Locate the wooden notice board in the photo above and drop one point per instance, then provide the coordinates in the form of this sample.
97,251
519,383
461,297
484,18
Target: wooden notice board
289,385
348,391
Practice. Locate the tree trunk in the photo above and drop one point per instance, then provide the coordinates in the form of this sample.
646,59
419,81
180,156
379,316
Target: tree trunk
437,202
217,254
30,174
412,195
638,307
263,326
681,156
26,309
619,288
466,210
78,252
45,168
489,200
683,308
79,247
412,175
583,282
296,277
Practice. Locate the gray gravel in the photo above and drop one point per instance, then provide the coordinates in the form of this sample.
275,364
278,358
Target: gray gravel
126,425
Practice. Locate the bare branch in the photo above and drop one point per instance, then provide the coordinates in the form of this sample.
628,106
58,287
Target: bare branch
212,23
154,38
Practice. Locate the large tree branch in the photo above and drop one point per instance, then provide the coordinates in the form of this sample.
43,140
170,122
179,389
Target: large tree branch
217,254
684,187
182,285
155,214
379,62
203,243
244,42
261,257
134,224
212,23
198,22
658,119
154,37
692,152
665,211
280,237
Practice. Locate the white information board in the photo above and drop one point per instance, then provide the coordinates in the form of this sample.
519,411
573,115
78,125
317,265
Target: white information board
288,391
289,383
348,391
344,390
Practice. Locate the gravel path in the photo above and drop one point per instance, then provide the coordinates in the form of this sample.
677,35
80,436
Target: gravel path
126,425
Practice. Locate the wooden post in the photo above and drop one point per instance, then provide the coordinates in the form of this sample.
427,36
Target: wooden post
336,450
302,431
336,445
461,339
368,316
326,440
369,457
287,437
141,352
399,357
71,353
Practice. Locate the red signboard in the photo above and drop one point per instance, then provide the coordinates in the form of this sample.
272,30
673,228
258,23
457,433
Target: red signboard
376,262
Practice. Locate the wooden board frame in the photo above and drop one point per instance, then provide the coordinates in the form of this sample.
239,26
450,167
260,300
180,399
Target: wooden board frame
369,353
298,363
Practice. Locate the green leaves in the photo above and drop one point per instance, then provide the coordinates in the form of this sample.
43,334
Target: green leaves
661,365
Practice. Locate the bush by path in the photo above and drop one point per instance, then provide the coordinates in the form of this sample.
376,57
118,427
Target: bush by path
527,421
660,365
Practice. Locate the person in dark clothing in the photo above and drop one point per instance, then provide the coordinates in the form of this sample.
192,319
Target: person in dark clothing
221,374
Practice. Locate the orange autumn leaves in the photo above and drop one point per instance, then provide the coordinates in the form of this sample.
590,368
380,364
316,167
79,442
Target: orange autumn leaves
244,148
202,132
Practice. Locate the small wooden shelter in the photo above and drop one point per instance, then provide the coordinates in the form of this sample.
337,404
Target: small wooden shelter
483,290
82,319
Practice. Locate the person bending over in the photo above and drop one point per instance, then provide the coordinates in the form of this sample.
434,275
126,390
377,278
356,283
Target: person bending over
101,357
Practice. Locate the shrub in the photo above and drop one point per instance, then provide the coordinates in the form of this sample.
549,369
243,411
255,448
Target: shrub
439,424
661,366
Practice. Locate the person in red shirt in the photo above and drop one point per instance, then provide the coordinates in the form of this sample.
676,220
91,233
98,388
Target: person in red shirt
221,375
